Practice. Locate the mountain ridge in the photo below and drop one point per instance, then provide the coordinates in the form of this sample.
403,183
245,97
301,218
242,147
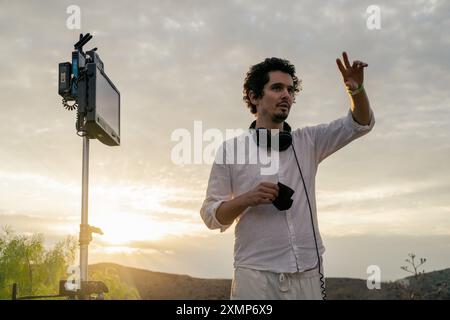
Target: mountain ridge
155,285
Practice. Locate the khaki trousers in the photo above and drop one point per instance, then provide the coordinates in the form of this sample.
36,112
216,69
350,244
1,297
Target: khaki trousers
250,284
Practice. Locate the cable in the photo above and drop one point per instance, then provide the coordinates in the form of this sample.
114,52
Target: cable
69,107
79,123
322,282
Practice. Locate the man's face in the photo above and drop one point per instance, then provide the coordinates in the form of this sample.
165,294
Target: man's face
277,99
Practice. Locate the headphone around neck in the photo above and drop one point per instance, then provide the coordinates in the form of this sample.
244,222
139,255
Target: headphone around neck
285,137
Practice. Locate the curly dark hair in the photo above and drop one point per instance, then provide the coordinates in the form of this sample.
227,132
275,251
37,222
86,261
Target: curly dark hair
258,76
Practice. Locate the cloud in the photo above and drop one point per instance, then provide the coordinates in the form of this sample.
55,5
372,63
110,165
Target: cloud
52,228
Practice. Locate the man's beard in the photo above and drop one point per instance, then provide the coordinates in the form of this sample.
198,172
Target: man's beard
279,117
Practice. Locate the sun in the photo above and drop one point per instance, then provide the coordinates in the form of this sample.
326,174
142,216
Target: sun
122,229
127,215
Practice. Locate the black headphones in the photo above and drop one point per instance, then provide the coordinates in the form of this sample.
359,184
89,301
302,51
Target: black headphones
285,137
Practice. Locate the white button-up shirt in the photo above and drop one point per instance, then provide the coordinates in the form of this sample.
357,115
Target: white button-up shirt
266,238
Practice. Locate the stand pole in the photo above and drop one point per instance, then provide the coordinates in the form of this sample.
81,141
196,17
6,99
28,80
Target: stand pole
84,227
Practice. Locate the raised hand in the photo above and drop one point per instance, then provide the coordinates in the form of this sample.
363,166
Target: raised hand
353,74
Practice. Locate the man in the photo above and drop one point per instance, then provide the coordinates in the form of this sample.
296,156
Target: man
278,249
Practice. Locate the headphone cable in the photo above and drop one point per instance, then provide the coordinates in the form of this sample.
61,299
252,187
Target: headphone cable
322,282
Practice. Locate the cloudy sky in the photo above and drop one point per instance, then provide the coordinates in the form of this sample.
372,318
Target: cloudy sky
176,62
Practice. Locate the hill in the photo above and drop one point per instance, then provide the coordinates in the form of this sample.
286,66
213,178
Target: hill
165,286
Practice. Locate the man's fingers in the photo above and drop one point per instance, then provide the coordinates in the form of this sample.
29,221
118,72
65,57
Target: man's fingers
346,62
340,66
269,185
269,191
267,196
359,64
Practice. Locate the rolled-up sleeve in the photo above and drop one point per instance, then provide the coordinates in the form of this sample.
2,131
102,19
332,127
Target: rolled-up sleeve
329,138
218,191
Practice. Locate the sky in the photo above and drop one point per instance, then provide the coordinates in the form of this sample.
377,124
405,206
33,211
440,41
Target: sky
177,62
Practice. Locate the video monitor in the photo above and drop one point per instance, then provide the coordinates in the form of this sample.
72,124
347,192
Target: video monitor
103,107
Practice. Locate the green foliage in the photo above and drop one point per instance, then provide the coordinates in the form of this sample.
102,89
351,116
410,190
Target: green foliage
118,290
25,261
37,271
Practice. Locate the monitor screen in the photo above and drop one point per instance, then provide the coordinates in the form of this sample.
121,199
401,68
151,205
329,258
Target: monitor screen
107,102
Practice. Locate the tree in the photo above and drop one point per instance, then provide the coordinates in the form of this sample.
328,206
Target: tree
416,288
415,268
420,286
37,271
25,261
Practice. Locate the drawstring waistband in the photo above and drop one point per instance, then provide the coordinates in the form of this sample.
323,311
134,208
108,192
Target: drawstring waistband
284,282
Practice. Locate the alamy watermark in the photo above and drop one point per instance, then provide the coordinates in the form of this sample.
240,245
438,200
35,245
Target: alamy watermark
73,282
74,19
373,21
236,146
374,278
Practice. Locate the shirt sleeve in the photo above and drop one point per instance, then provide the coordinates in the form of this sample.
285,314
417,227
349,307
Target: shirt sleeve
329,138
218,191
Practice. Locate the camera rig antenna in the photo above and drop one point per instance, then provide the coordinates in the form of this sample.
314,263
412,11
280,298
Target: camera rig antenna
83,40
